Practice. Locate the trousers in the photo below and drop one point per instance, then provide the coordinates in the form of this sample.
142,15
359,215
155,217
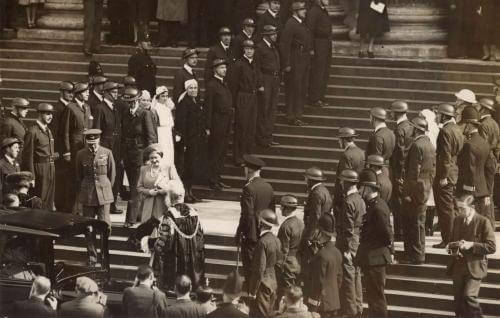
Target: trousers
102,213
375,296
245,124
414,230
263,304
268,102
46,184
446,208
351,292
217,145
296,83
465,292
320,69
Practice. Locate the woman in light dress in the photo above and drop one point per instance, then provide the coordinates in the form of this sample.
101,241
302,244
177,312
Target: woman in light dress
162,108
31,7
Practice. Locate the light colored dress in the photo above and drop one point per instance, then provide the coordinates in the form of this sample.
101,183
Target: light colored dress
154,206
28,2
165,125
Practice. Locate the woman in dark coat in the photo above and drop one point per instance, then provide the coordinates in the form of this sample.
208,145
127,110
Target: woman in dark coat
371,24
487,27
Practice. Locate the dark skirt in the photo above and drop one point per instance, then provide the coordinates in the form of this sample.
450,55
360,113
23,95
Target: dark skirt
487,26
370,22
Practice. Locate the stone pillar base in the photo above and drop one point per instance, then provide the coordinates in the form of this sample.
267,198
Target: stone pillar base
414,51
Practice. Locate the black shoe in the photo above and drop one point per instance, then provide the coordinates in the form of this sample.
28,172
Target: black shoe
361,54
215,186
317,104
273,143
440,245
223,185
114,210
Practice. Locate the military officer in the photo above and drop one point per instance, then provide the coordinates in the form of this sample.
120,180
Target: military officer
13,125
352,158
137,133
270,17
319,22
257,194
108,118
325,271
142,67
268,63
247,33
376,163
382,141
190,57
290,235
8,163
245,84
296,50
472,163
92,19
420,171
448,146
376,246
95,96
95,175
262,285
219,112
224,49
349,221
319,200
39,155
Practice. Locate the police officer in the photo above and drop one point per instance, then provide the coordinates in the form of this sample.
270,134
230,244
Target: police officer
376,163
319,22
245,83
76,119
190,57
219,113
268,59
13,125
8,163
349,221
376,246
382,141
95,175
137,133
270,17
95,96
472,163
142,67
257,194
403,133
39,156
224,49
108,118
352,158
246,33
262,286
420,171
325,271
449,143
319,200
296,50
92,20
289,234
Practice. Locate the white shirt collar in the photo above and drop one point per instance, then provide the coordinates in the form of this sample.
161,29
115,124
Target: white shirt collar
267,42
225,47
272,13
419,136
188,68
63,101
133,111
316,185
12,161
42,125
109,103
264,232
351,191
79,103
486,115
349,145
247,35
99,96
468,219
297,18
377,172
249,60
379,126
218,77
401,119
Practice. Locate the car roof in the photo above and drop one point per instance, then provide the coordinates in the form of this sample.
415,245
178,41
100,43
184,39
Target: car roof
49,222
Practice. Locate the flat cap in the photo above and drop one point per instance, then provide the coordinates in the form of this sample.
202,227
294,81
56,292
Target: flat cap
487,103
129,80
131,94
96,80
45,108
224,30
446,109
9,141
376,160
399,106
379,113
110,86
20,102
86,285
66,86
92,135
189,52
248,43
218,62
269,29
80,87
22,178
253,162
298,5
346,132
249,22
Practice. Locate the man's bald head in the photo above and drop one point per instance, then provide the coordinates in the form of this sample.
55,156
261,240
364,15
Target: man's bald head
40,287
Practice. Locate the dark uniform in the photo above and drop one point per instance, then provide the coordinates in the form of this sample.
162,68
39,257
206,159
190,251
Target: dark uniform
227,310
385,184
491,132
245,82
320,23
449,143
349,224
268,58
256,195
319,201
218,52
420,170
352,158
382,142
219,113
38,158
267,18
295,49
92,19
94,99
142,67
262,282
62,166
6,168
13,126
238,43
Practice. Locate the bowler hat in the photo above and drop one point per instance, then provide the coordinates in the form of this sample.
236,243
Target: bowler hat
368,177
110,86
249,22
268,217
446,109
487,103
131,94
346,132
45,108
298,5
379,113
420,124
20,102
289,200
224,30
218,62
349,175
327,224
66,86
314,173
253,162
9,141
80,87
375,160
269,29
233,284
470,115
189,52
399,106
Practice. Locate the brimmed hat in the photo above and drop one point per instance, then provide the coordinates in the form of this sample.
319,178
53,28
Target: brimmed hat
315,173
399,106
92,136
96,80
420,124
129,80
446,109
80,87
298,5
269,30
20,179
268,217
379,113
248,43
131,94
108,86
470,115
20,102
45,108
487,103
376,160
346,132
9,141
224,30
218,62
249,22
368,177
188,52
466,95
348,175
66,86
289,200
253,162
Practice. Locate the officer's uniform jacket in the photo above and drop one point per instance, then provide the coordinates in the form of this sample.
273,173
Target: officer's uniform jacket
376,240
295,43
471,166
189,119
382,142
245,78
38,148
218,101
76,119
319,22
385,184
257,195
265,257
109,120
349,222
6,168
95,174
318,202
268,59
420,170
352,158
404,138
13,127
56,125
449,143
218,52
94,100
137,133
290,235
181,76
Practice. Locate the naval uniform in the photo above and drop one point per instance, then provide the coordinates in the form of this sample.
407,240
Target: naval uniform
382,142
352,158
218,51
38,158
238,43
491,132
142,67
256,195
94,99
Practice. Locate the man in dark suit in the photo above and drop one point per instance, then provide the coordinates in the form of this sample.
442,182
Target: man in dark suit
190,57
325,271
351,158
472,240
8,164
92,19
142,299
13,125
96,93
35,305
231,292
87,303
420,171
257,195
183,306
376,248
404,138
270,17
382,141
262,285
319,200
224,49
449,143
376,163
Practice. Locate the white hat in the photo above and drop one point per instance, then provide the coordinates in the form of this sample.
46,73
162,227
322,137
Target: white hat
467,96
